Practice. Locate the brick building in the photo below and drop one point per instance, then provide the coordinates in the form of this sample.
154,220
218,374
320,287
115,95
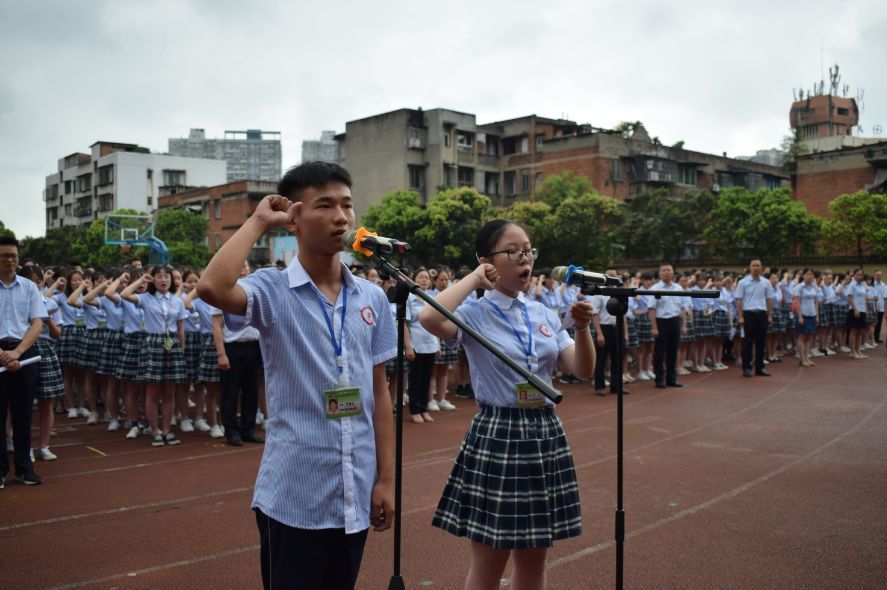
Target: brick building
226,207
821,176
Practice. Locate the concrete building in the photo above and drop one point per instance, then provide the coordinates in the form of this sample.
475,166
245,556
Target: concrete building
325,149
226,207
426,151
250,154
821,176
119,176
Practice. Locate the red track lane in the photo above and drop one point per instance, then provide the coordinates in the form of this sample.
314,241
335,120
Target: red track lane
729,483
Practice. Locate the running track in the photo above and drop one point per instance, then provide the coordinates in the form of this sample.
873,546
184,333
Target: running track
774,482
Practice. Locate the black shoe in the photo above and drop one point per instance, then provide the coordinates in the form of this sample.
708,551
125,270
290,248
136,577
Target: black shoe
253,437
234,440
29,479
746,372
674,384
762,373
469,391
660,385
564,378
462,392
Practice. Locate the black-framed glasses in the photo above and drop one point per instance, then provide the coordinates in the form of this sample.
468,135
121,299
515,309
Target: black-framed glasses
8,256
519,255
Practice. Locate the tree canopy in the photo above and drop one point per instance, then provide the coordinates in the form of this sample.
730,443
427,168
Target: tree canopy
858,224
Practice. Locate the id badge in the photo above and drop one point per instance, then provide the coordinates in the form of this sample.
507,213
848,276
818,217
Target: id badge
342,402
168,343
195,319
527,396
142,325
103,324
81,321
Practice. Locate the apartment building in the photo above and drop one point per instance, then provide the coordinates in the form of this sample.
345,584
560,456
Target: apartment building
115,176
325,149
251,154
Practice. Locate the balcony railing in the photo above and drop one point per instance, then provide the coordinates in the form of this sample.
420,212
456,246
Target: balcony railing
487,160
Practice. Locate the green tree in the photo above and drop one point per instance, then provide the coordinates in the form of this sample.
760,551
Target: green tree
793,147
858,223
5,231
658,225
454,218
400,215
183,233
536,216
557,188
768,223
56,247
585,230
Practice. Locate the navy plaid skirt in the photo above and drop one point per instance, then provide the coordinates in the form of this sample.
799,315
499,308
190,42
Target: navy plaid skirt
513,485
109,356
633,341
448,355
68,344
839,315
871,316
163,366
91,350
208,371
777,324
690,334
825,318
645,329
720,323
703,324
193,351
132,359
51,383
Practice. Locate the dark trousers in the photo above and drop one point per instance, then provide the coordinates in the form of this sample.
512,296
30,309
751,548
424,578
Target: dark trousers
240,381
322,559
878,326
666,349
755,335
601,353
419,381
17,399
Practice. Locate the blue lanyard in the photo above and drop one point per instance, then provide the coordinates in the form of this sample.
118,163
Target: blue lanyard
528,348
337,344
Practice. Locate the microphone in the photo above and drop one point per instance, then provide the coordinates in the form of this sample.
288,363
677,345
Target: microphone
369,243
575,275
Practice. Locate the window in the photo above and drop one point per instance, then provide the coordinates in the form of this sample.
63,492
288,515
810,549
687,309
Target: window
615,170
52,192
217,208
524,144
448,176
464,142
106,175
206,240
69,210
150,201
69,187
466,176
218,241
687,175
509,145
510,178
525,181
843,112
446,138
84,183
539,178
417,177
173,178
540,139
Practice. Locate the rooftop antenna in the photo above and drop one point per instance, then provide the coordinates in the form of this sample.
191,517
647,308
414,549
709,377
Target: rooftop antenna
834,79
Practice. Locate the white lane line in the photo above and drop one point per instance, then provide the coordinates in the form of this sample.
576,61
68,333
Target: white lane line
157,568
725,496
153,463
123,509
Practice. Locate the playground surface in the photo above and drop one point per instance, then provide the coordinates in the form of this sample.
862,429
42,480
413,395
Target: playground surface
739,483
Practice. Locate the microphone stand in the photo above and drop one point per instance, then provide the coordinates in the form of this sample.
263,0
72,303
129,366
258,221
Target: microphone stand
617,306
404,287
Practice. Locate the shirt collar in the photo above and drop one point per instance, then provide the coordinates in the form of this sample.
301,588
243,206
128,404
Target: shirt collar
160,295
500,299
298,276
17,280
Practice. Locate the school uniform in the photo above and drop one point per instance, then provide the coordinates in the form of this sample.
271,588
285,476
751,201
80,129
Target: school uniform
318,470
754,294
50,383
777,326
634,308
96,331
689,333
20,302
425,345
841,306
164,360
109,356
871,316
513,485
809,296
642,321
73,330
785,308
721,315
702,310
826,303
608,328
194,340
856,296
208,366
668,323
132,359
880,289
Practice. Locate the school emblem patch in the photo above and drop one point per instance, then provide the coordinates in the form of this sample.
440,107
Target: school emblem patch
366,315
546,331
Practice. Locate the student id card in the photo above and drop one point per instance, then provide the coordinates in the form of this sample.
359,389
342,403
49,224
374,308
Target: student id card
168,343
342,402
527,396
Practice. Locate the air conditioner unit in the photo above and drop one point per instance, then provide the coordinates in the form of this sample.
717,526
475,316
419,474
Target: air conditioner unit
414,142
716,188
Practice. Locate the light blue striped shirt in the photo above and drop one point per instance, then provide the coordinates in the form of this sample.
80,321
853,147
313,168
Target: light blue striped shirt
192,319
53,313
71,315
94,315
423,341
20,302
113,313
162,312
857,293
316,473
668,307
133,317
809,296
754,293
494,382
206,312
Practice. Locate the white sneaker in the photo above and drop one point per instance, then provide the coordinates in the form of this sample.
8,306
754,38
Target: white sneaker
651,375
688,364
702,369
216,432
433,407
642,376
202,425
32,456
83,412
108,417
844,349
93,418
44,454
815,352
682,371
113,425
260,418
446,405
829,351
133,432
173,421
72,413
187,425
720,366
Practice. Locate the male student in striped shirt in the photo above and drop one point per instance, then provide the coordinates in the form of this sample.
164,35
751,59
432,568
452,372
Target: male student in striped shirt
327,470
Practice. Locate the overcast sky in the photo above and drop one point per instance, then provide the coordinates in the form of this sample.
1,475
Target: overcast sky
717,74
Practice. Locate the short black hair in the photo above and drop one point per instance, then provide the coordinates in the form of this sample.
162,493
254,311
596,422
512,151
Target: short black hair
308,175
8,241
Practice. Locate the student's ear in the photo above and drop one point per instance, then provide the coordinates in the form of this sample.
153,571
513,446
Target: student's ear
293,215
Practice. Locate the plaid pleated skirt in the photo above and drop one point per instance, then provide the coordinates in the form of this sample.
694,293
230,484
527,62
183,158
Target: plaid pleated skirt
110,356
132,358
208,371
839,315
162,366
69,343
51,383
513,485
645,329
633,341
90,349
193,351
871,316
777,325
703,324
720,323
448,355
825,315
689,334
